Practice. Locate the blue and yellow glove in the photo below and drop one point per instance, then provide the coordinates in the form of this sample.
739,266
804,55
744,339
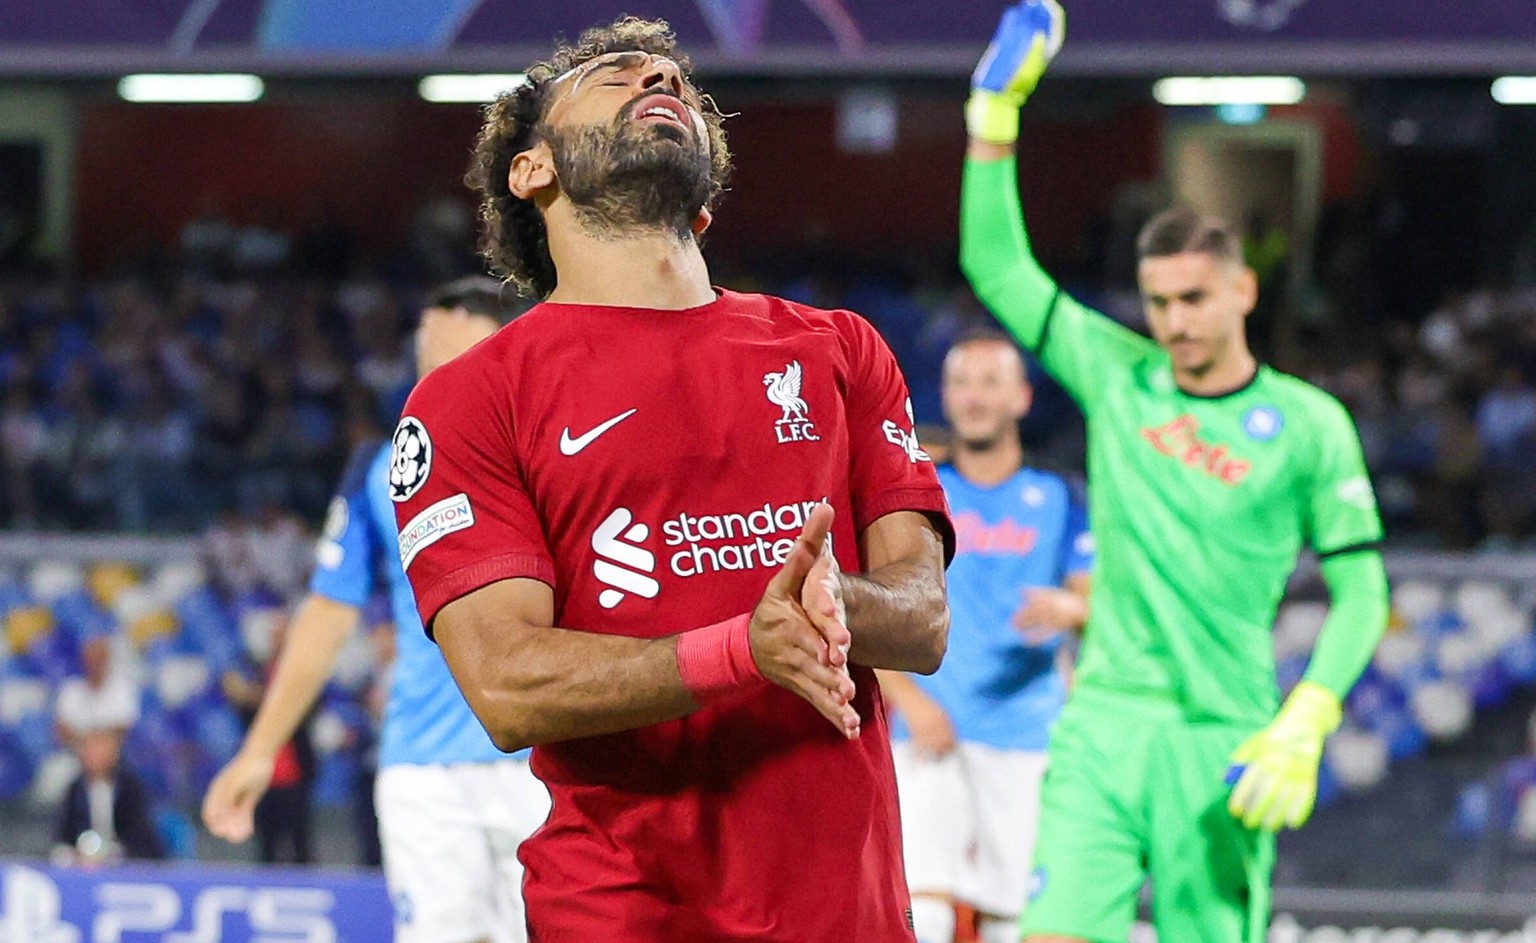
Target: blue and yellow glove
1026,40
1276,768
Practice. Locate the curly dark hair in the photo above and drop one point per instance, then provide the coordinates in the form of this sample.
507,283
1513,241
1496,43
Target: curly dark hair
513,238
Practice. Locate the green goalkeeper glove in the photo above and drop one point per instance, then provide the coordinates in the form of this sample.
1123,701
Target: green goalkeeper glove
1277,785
1027,38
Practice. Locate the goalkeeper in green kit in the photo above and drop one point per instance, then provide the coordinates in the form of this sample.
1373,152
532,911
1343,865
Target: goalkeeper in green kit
1208,472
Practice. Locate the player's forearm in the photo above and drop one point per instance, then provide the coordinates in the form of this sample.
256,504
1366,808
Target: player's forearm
315,637
979,151
580,684
900,691
1080,585
898,617
1357,618
995,252
530,683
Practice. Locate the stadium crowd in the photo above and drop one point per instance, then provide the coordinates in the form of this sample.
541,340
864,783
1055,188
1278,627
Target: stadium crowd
229,378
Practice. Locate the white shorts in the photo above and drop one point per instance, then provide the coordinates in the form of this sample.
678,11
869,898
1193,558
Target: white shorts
968,823
450,836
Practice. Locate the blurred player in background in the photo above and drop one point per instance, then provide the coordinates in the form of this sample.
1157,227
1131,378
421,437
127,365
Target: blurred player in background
452,807
971,738
1207,474
281,818
615,515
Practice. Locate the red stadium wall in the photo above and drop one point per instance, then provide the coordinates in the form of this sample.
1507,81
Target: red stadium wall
142,172
793,186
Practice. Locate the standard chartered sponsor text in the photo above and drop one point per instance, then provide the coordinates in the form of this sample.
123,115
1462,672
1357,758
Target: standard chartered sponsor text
736,540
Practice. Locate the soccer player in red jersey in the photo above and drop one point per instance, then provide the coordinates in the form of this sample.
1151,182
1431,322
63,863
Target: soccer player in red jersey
616,513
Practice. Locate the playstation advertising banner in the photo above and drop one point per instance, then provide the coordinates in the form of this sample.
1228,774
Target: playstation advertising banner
197,904
752,35
191,904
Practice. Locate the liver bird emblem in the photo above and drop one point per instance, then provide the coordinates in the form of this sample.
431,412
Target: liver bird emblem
784,392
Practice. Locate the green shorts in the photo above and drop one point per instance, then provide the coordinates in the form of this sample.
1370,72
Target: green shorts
1134,789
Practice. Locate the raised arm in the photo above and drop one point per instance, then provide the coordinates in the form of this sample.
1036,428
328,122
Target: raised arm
1073,343
995,253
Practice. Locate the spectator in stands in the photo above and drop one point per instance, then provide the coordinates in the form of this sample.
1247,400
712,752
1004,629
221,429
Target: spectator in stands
147,403
1506,418
261,248
106,813
103,697
151,469
266,552
23,451
205,242
87,442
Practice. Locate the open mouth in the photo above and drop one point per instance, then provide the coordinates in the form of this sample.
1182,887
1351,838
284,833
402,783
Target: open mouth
663,109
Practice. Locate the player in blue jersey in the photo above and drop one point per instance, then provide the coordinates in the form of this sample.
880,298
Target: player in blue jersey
452,807
971,738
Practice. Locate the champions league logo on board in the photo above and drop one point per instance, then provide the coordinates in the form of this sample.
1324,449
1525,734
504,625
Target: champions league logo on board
1265,15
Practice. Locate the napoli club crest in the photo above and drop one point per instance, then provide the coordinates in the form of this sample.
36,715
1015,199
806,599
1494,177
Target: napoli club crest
1263,423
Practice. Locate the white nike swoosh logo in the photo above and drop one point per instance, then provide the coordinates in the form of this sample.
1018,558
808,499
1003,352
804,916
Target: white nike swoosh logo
570,446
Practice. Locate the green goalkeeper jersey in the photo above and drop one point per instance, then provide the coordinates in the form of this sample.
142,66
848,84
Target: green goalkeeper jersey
1200,505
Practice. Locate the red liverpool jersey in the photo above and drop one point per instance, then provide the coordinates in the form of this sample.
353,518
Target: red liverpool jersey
654,468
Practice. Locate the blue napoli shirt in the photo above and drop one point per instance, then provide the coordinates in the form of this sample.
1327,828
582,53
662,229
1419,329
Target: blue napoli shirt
1030,530
427,720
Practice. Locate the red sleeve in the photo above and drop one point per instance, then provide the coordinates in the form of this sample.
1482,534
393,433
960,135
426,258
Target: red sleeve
890,471
466,518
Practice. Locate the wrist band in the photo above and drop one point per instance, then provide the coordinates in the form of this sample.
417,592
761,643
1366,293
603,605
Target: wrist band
717,659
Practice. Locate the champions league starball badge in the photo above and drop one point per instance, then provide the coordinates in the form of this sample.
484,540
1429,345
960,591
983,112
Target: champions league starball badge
1266,15
410,460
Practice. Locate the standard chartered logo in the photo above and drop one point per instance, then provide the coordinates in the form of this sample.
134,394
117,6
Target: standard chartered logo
747,540
697,544
622,563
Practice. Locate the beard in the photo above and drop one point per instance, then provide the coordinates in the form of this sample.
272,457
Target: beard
633,175
979,443
978,434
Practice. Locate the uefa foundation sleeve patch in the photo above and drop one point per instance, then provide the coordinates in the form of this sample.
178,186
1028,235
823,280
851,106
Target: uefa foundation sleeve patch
433,524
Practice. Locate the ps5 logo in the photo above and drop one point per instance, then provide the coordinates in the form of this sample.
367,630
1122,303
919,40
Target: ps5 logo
31,908
622,563
274,914
1266,15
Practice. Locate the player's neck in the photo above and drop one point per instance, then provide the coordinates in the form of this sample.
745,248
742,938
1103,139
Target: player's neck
645,269
989,466
1228,376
